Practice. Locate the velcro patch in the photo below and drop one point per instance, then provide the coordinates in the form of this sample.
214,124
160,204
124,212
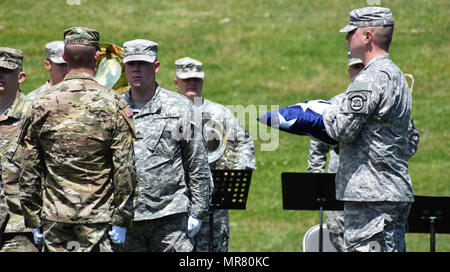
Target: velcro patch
358,98
128,111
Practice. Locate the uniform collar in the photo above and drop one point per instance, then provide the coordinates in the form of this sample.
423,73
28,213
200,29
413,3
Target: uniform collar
377,58
153,105
77,75
17,108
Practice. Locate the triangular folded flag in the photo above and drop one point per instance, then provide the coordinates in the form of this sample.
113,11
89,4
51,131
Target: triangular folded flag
302,119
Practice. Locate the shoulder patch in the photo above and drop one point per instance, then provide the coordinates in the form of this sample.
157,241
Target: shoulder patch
358,98
358,102
122,103
128,111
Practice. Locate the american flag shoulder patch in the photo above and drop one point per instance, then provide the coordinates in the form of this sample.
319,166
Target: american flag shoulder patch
128,111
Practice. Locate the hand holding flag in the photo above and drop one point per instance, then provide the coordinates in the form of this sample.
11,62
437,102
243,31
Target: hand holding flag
302,119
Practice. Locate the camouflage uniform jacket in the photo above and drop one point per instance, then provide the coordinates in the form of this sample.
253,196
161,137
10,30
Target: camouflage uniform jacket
164,146
10,124
78,138
40,90
371,126
318,150
240,150
3,206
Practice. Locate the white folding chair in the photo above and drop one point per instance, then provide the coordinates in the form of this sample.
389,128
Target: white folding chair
311,240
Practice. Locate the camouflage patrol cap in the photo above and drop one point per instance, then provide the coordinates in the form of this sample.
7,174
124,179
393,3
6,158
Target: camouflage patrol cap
53,51
353,61
10,58
82,35
140,50
188,68
367,17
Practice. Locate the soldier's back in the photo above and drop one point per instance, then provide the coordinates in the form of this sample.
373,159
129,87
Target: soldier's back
74,123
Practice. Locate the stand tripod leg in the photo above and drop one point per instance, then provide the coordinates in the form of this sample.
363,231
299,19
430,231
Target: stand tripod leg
321,201
432,234
321,230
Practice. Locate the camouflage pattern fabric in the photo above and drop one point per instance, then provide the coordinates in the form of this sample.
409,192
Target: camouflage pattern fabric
221,233
165,234
4,214
316,163
375,226
368,17
10,58
169,140
239,154
38,91
10,125
63,237
78,139
371,126
18,242
82,36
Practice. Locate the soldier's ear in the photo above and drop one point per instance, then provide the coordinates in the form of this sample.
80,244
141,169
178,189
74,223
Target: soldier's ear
47,64
22,77
157,65
96,56
63,55
369,36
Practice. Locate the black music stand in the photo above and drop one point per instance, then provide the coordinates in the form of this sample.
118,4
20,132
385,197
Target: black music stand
230,193
310,191
429,214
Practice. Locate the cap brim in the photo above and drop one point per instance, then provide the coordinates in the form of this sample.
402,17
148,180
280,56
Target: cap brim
9,65
58,60
145,58
191,75
354,62
348,28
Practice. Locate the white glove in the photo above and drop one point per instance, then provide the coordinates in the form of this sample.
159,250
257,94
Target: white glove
193,226
37,235
117,234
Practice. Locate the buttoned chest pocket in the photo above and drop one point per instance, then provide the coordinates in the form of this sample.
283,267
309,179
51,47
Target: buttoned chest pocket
159,140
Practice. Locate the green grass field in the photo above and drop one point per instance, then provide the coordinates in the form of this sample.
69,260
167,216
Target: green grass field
265,52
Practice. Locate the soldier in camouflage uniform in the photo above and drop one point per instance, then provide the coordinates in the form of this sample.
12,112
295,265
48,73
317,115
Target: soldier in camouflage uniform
371,126
13,105
77,139
318,156
4,213
56,66
169,144
239,152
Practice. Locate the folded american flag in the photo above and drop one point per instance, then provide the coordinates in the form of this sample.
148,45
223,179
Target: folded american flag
302,119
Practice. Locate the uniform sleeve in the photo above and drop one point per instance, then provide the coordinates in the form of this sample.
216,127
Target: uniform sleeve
32,170
317,157
124,171
241,143
195,159
344,123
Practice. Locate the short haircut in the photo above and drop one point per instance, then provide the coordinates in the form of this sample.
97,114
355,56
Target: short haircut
80,56
382,35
